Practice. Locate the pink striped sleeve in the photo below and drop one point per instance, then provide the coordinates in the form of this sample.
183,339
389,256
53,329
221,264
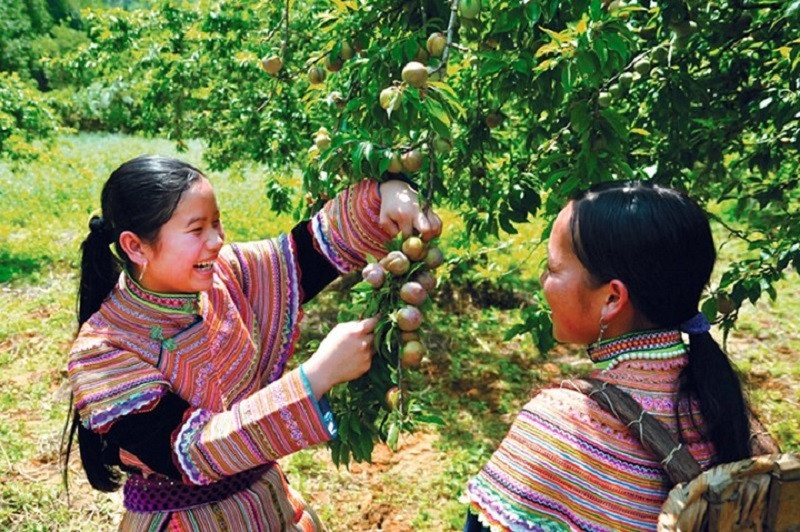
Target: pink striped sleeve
109,383
278,420
348,228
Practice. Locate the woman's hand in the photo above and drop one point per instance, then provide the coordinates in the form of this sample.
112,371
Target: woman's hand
345,354
400,211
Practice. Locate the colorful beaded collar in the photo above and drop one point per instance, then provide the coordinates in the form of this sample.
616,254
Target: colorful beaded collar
181,303
648,345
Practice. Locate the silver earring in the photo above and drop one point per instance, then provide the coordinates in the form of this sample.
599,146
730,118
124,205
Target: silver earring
141,273
603,327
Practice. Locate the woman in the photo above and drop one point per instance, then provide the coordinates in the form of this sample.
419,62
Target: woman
179,368
627,264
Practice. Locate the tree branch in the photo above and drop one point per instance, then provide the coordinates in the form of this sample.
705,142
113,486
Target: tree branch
733,42
285,28
274,30
431,173
459,47
382,14
731,230
765,5
451,23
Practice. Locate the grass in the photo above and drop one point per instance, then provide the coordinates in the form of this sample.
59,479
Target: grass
475,379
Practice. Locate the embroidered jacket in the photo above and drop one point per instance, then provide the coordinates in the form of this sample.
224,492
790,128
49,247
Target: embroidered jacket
566,464
192,386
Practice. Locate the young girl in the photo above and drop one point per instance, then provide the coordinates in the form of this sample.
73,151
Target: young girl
178,369
627,263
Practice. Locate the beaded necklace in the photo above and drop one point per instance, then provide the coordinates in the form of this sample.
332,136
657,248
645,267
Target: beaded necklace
647,345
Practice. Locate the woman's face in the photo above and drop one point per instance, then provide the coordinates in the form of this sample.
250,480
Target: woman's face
183,257
576,305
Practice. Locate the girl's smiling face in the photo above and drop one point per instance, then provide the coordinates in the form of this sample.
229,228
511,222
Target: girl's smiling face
182,258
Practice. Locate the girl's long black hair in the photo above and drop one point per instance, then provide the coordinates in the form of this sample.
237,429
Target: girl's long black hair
658,242
140,196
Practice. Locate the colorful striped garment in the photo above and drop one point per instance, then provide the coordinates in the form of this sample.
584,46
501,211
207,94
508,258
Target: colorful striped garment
566,464
211,367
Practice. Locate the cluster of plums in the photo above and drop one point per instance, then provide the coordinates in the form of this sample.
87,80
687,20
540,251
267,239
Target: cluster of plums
413,293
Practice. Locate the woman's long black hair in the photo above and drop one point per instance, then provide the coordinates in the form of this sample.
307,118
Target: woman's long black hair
140,196
658,242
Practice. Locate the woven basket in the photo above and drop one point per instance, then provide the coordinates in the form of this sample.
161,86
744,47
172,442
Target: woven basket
761,493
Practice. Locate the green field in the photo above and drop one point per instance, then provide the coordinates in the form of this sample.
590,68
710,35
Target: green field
477,380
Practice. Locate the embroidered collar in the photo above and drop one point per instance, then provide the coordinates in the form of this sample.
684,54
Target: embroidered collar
180,303
647,345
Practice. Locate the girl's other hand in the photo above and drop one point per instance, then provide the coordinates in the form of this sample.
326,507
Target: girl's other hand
345,354
400,211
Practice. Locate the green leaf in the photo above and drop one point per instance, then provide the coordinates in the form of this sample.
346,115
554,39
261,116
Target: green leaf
595,9
410,48
357,157
505,22
533,12
336,447
341,5
490,65
515,330
709,308
388,344
567,77
430,418
392,436
600,49
553,9
343,425
617,122
439,119
560,37
579,117
521,65
616,44
356,427
588,64
505,224
344,455
448,96
369,153
366,446
547,64
383,165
